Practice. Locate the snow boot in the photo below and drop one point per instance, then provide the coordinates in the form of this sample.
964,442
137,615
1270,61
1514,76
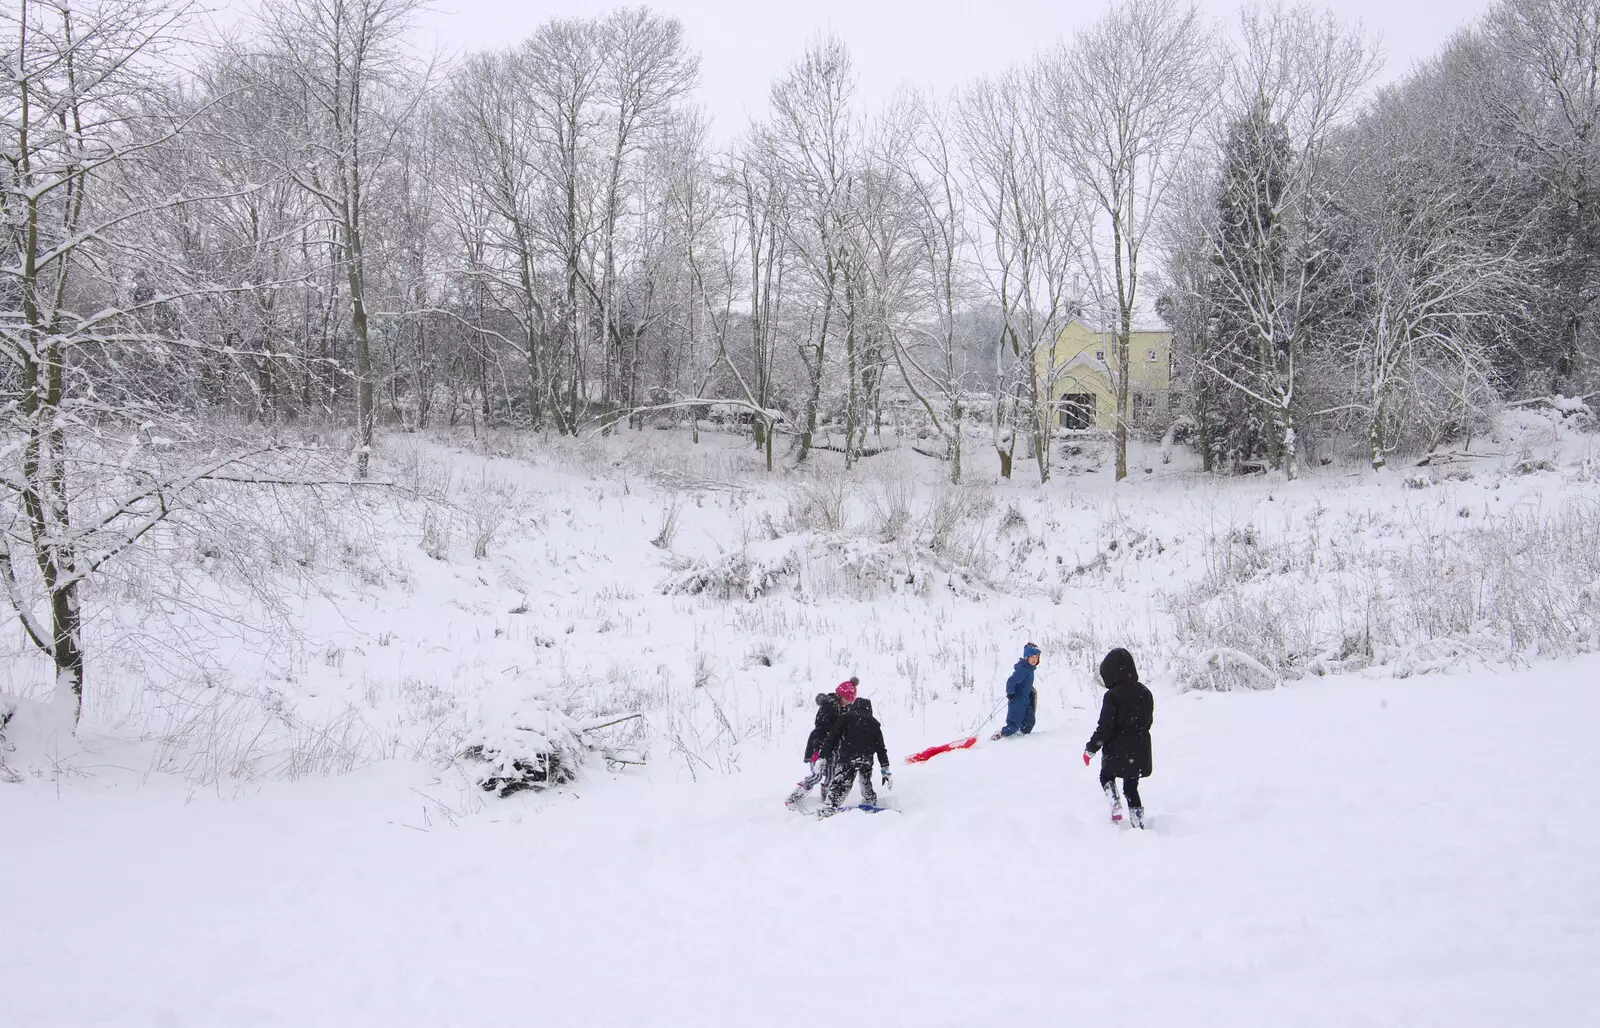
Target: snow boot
1116,801
1136,816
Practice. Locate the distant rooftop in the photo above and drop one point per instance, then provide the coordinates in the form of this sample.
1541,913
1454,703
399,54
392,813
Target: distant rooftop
1149,326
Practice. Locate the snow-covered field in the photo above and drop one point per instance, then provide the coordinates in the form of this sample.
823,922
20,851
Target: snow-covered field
1348,852
264,818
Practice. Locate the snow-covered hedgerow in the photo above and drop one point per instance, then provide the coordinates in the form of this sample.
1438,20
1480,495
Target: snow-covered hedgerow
1413,598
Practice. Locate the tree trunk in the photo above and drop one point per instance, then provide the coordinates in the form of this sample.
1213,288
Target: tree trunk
852,388
1125,283
67,648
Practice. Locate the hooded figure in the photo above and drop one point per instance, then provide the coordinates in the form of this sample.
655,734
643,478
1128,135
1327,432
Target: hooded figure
855,739
830,707
1123,732
1022,701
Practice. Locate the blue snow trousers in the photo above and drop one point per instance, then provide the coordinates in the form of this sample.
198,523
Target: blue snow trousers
1020,711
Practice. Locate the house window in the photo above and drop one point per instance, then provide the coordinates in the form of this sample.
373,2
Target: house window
1075,412
1153,356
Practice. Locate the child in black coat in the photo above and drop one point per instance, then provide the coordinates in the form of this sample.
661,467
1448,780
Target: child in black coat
855,739
1123,732
830,706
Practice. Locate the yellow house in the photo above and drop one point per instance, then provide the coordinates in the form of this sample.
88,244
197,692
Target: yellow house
1082,382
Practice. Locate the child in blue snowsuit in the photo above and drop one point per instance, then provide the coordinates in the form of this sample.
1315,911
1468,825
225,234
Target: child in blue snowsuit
1022,699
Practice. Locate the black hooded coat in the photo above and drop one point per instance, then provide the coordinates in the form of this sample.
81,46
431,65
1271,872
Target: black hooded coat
1126,715
856,737
828,710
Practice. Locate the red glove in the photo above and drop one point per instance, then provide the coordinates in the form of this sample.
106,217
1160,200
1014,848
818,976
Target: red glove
1085,759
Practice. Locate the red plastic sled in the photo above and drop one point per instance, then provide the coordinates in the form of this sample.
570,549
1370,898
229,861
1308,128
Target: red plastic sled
934,751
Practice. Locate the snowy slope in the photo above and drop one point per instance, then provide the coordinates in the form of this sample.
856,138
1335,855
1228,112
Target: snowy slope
1347,852
275,827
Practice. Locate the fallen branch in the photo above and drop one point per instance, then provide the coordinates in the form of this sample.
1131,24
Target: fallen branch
1451,456
594,727
863,452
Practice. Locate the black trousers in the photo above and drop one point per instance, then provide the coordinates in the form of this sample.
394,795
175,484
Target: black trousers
1130,788
844,776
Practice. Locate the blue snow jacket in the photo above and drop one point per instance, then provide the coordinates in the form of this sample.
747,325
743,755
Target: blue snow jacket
1019,691
1021,680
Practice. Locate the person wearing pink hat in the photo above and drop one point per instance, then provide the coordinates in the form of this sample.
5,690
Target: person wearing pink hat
830,705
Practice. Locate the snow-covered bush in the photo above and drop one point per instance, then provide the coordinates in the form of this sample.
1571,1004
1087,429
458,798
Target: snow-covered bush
436,534
490,502
821,504
226,734
889,503
1515,585
748,573
953,508
523,742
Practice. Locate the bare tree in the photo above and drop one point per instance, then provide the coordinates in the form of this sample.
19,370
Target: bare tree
1032,228
1438,278
930,348
561,69
1553,47
645,68
811,143
96,410
497,200
1129,96
758,208
356,83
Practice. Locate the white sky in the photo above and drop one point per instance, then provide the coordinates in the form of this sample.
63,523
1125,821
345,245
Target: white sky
930,43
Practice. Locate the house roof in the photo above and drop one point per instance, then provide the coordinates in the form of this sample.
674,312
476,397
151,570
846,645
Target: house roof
1138,329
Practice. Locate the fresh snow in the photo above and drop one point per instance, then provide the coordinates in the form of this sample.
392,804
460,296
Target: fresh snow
1341,853
264,819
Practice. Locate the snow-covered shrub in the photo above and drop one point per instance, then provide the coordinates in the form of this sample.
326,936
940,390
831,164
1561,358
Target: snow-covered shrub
423,473
436,534
764,653
748,573
489,502
522,742
952,508
1246,636
1422,600
821,504
667,528
862,569
1518,583
225,734
890,506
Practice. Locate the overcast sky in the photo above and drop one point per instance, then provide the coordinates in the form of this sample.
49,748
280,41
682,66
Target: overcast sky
928,43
